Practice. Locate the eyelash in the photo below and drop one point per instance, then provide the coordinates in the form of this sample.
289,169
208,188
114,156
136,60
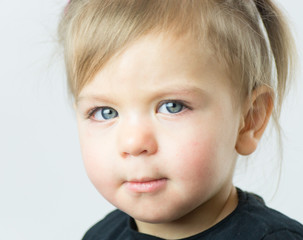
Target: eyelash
92,111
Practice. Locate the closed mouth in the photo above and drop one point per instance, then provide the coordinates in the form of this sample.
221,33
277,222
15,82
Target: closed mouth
146,185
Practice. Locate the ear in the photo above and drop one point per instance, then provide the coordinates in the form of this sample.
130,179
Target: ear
256,115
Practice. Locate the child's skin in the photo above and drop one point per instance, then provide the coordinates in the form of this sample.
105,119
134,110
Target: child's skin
166,153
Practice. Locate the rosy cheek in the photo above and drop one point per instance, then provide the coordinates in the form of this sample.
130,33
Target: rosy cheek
197,160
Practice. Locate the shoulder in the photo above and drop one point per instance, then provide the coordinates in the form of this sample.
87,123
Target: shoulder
263,222
284,234
108,228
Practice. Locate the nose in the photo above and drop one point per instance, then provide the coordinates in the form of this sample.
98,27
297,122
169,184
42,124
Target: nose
136,137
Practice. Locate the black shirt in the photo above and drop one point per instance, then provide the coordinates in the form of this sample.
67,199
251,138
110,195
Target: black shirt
251,220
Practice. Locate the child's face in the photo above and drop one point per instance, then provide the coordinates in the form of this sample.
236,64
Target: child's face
160,140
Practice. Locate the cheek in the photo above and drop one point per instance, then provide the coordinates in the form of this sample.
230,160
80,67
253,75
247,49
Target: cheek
202,157
94,149
100,169
98,162
196,158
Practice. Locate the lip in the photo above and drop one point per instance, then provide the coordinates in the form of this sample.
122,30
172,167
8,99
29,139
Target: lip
146,185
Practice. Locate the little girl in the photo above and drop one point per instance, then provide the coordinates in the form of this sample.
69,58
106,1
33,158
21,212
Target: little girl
168,94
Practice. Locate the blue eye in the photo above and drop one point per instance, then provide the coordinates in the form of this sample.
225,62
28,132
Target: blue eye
171,107
103,113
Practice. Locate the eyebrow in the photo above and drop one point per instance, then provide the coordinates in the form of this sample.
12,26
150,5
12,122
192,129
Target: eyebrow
93,97
179,90
175,90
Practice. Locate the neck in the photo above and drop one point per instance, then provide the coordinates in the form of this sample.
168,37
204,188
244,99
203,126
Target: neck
200,219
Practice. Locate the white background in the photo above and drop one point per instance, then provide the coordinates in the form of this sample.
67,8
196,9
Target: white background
44,191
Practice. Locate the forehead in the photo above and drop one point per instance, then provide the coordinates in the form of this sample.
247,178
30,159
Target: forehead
156,59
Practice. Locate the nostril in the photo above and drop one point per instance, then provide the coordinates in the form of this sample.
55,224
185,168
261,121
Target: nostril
125,155
134,153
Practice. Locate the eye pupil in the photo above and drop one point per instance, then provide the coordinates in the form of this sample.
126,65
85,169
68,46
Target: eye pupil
174,107
108,113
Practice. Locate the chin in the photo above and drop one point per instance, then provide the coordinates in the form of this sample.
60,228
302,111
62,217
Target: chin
156,216
152,219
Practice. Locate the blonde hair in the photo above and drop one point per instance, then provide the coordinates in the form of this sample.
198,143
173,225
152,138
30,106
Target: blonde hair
251,38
